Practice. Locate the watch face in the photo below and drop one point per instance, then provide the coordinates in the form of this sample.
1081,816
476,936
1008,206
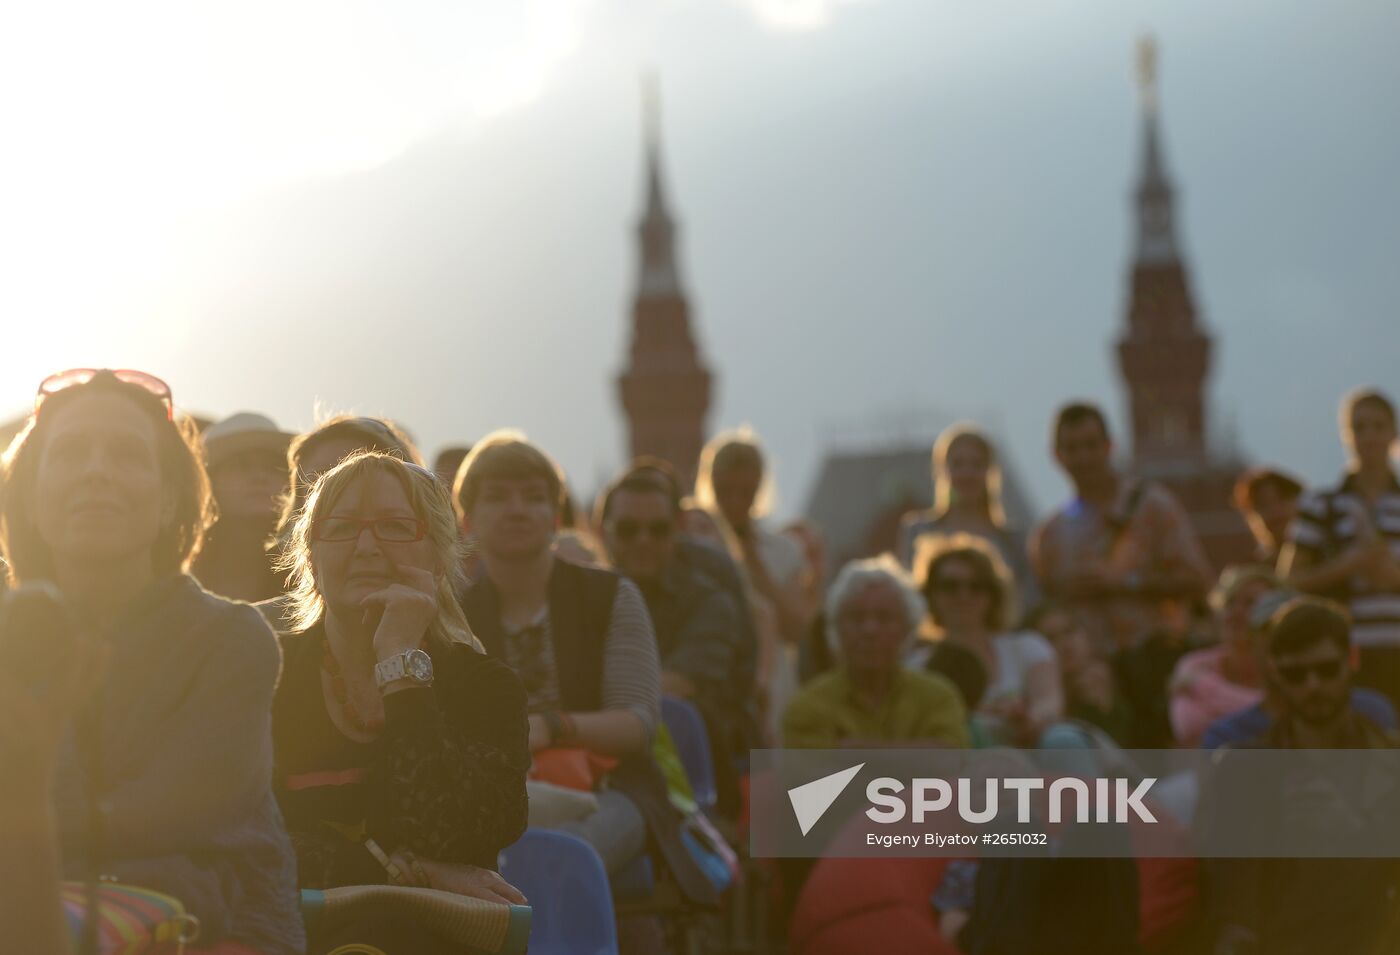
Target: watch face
419,665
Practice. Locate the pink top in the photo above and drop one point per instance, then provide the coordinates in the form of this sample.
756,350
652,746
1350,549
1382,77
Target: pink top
1201,694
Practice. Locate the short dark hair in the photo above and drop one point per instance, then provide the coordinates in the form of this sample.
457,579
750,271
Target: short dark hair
643,480
181,467
1252,482
449,459
1369,396
737,454
663,470
505,455
1077,412
1303,623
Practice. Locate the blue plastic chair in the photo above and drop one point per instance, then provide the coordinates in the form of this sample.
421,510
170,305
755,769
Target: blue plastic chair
564,879
687,729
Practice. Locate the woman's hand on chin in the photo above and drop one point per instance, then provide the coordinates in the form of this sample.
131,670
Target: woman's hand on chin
406,609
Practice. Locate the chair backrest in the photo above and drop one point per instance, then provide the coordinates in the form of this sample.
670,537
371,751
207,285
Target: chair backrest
687,729
564,879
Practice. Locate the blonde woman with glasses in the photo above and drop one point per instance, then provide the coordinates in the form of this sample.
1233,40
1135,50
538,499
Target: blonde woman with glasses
402,749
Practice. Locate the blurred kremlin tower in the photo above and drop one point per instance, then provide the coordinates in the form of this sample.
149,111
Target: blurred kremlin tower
665,389
1164,356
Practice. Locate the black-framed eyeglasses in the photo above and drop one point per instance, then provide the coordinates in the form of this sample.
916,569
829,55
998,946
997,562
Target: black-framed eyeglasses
1296,674
386,530
628,530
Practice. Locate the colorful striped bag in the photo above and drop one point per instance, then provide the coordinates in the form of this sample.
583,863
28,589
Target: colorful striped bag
131,920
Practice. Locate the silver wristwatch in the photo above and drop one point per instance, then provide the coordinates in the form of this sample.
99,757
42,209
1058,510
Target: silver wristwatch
413,665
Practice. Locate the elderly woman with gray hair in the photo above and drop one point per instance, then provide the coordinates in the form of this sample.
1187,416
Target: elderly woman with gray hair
870,698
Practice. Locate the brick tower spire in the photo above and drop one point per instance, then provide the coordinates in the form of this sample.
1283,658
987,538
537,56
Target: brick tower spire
665,390
1164,354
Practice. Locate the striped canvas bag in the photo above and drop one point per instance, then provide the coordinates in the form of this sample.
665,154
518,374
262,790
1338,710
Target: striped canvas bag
131,920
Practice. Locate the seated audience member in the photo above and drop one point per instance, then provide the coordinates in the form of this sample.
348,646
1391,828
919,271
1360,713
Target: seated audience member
971,601
154,703
1092,694
708,546
814,655
448,460
1268,499
1283,906
870,698
247,461
809,537
311,454
1243,725
735,483
696,623
401,747
967,500
1216,681
1143,673
582,643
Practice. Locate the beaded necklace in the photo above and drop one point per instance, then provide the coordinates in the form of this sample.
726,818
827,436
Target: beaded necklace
331,666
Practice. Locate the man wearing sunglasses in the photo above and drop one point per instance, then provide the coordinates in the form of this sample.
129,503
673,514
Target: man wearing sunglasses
697,623
1283,906
1254,722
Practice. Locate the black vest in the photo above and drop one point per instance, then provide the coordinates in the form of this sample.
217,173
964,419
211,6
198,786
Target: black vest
580,609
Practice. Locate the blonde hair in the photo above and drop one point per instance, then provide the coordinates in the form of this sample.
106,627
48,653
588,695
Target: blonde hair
934,549
729,449
429,501
943,484
1235,578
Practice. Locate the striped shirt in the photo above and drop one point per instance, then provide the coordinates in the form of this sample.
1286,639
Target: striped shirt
631,670
1331,522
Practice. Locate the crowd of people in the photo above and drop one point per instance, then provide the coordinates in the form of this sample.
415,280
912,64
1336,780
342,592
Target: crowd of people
243,663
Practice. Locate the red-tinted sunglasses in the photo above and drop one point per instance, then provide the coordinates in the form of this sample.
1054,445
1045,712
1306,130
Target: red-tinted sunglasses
53,384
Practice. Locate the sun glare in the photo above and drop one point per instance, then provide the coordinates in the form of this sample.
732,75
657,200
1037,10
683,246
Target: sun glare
135,117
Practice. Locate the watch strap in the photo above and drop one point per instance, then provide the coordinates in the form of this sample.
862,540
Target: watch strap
387,671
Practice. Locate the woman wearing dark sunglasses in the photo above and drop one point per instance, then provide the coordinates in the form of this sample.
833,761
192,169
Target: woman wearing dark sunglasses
164,780
401,748
971,600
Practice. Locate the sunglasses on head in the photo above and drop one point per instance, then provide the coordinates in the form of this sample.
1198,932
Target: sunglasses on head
959,586
628,530
1296,674
73,377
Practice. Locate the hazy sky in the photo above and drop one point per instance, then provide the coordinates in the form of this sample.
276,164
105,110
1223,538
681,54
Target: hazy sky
893,212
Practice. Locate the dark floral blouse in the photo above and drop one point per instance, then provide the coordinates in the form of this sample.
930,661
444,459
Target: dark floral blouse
445,779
